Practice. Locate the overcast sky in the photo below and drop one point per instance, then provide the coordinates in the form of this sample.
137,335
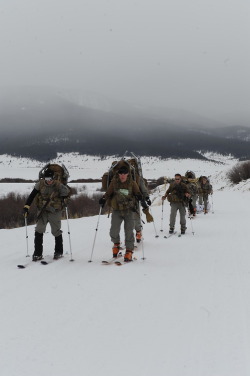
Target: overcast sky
189,54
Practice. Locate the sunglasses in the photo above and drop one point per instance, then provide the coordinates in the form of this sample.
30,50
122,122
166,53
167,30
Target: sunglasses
48,178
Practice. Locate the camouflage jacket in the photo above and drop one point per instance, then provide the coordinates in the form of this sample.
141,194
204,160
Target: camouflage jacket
176,192
42,192
205,189
122,196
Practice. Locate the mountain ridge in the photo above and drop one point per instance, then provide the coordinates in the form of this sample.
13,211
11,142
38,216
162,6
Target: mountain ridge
40,123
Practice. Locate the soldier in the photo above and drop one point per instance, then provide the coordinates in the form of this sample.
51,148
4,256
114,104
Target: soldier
177,194
49,194
122,195
205,189
192,184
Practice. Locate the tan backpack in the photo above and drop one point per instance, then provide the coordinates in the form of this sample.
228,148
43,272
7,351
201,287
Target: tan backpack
108,176
61,172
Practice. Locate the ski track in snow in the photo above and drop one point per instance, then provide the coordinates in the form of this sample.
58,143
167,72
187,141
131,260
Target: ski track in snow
184,311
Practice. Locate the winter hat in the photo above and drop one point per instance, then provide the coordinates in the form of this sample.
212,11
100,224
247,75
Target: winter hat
123,170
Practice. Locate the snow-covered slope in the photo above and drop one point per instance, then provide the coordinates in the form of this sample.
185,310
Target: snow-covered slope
183,311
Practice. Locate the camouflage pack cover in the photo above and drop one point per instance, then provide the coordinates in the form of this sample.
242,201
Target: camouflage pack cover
61,172
115,166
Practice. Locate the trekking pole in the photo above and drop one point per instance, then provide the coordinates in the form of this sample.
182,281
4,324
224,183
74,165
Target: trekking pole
27,237
162,203
90,260
212,205
191,225
142,242
156,235
67,216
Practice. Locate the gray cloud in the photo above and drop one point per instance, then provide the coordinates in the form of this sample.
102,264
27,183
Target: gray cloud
189,55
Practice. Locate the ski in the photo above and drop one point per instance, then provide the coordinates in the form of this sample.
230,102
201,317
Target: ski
44,262
112,259
120,263
22,266
169,235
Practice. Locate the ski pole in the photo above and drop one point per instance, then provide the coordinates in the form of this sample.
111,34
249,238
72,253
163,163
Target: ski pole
90,260
27,237
162,203
142,242
191,225
156,235
212,205
67,216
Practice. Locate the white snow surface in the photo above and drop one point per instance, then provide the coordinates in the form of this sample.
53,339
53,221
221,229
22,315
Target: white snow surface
93,167
183,311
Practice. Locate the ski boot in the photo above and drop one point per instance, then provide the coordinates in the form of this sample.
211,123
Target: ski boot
57,256
116,249
138,236
36,258
128,255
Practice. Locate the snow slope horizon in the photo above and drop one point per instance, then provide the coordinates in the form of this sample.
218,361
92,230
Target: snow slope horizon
93,167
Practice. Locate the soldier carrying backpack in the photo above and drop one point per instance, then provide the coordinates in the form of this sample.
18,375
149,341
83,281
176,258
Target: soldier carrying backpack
49,194
178,195
122,196
205,189
135,169
192,183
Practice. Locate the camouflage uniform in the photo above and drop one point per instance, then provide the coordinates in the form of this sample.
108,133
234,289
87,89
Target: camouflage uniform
192,185
51,214
176,196
204,191
122,199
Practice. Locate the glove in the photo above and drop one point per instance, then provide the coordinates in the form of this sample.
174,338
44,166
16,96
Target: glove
138,197
143,204
102,201
148,201
65,201
149,217
26,209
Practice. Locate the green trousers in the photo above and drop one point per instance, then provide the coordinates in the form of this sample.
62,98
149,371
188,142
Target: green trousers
116,220
175,207
54,219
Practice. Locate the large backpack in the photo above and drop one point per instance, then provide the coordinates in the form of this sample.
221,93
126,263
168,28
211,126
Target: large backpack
190,174
108,176
61,172
134,166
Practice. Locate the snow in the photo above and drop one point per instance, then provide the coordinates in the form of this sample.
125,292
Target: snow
93,167
183,311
